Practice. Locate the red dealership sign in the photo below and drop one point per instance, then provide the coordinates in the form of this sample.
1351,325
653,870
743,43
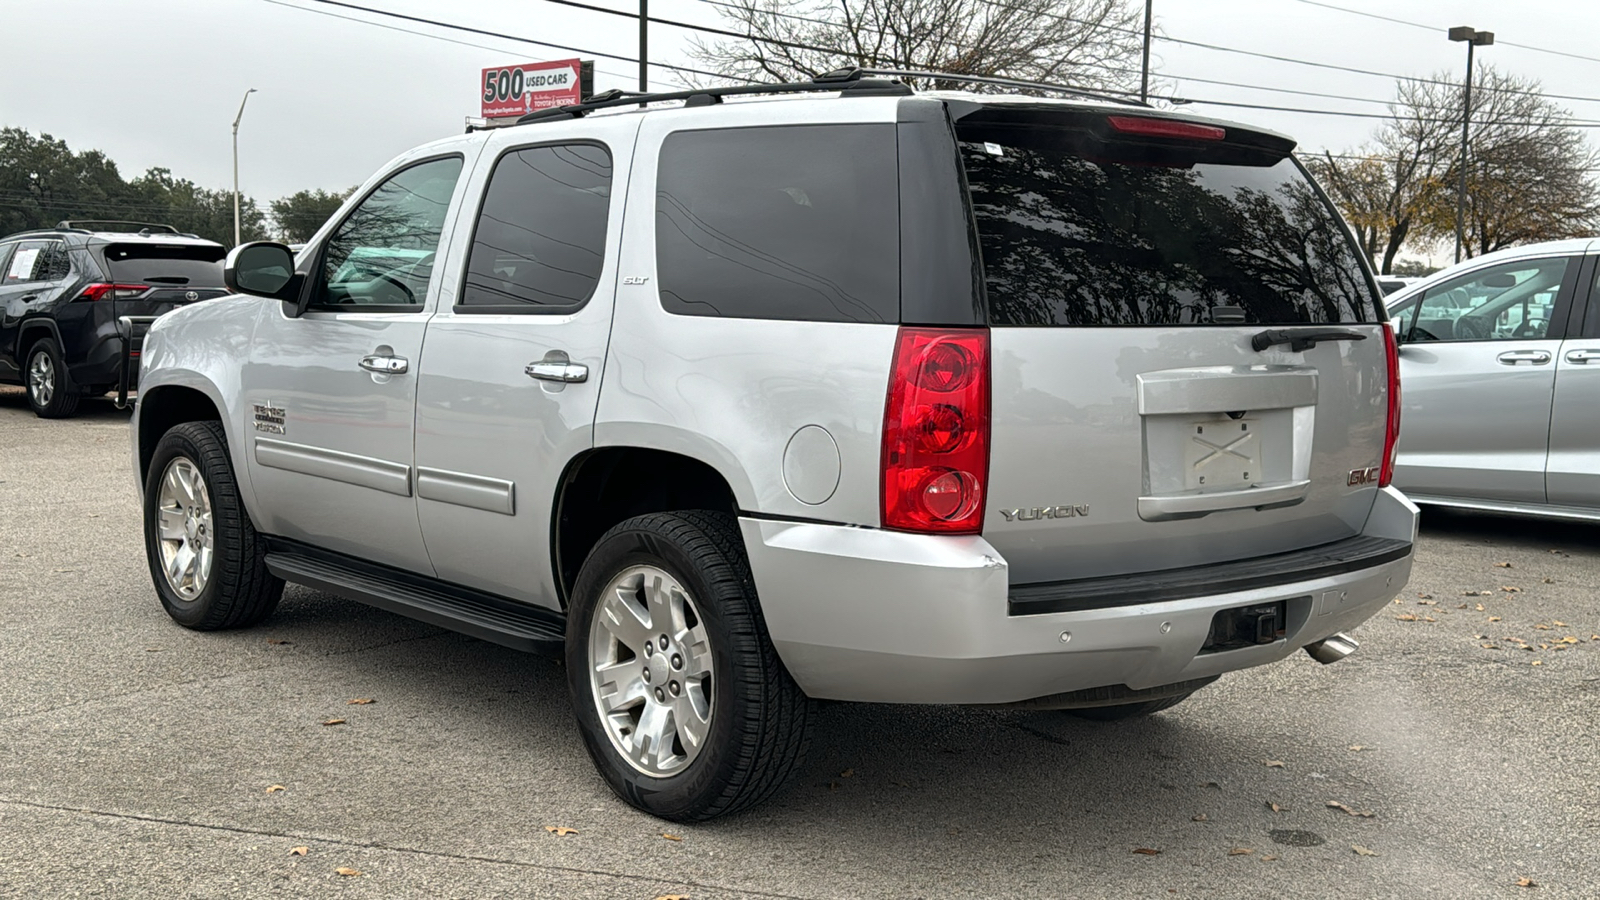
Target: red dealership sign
522,88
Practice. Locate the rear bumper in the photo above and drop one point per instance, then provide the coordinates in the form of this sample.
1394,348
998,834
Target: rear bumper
869,615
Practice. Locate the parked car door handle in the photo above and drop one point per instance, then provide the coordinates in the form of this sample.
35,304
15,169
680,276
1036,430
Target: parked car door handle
1582,357
1512,357
385,365
564,372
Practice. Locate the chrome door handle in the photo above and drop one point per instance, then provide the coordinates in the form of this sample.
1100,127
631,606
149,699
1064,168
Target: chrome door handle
563,372
385,365
1512,357
1582,357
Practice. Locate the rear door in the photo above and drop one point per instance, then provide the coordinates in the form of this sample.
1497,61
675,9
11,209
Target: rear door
510,377
158,277
1572,477
1478,369
1135,426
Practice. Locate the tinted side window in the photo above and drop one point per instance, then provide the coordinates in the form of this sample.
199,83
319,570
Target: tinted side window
383,253
541,234
1075,241
793,222
1510,301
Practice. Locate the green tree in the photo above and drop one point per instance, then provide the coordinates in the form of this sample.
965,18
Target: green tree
299,215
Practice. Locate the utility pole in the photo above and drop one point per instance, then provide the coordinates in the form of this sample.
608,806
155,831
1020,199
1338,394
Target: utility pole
644,46
1473,39
236,164
1144,70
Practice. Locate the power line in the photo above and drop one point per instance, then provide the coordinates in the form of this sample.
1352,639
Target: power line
424,34
1370,15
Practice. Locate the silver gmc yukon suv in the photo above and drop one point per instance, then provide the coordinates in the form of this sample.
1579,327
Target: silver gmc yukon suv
832,390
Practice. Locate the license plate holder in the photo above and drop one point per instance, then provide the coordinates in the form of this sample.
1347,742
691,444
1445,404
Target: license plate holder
1222,454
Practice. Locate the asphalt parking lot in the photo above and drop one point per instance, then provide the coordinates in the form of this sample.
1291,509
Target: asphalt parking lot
140,759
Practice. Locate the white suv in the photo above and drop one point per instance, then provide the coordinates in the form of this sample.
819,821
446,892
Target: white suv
841,392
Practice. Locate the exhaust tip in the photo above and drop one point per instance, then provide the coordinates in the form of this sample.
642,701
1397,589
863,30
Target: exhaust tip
1333,648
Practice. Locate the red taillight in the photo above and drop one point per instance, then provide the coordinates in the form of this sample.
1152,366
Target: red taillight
113,291
1391,433
936,432
1167,128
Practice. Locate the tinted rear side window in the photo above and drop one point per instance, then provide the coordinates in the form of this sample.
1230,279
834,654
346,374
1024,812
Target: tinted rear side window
194,265
1074,241
541,235
791,222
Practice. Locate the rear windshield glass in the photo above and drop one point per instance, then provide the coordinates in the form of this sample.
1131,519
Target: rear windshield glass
194,265
1073,241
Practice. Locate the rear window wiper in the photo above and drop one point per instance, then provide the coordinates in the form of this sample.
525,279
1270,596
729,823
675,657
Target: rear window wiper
1301,340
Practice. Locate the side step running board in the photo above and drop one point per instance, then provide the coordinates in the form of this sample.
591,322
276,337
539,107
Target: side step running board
503,621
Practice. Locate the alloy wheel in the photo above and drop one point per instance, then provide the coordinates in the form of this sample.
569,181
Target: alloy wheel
184,528
42,379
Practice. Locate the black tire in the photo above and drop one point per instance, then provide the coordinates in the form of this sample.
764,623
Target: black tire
1128,710
63,394
239,591
759,728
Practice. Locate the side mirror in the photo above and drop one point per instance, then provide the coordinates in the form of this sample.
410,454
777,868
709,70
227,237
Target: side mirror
261,269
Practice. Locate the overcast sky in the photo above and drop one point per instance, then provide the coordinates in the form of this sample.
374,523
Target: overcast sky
157,82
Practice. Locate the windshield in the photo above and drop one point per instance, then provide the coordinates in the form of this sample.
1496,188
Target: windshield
1069,240
192,265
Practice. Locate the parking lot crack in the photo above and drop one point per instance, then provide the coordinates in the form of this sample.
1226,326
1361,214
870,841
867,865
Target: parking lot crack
395,848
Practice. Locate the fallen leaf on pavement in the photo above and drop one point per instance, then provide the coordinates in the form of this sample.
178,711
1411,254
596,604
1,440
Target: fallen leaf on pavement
671,837
1510,590
1480,607
1490,646
1276,808
299,851
334,722
560,830
274,788
1146,851
1494,618
276,642
359,701
1334,804
1274,764
1558,623
1268,858
1202,817
1548,580
1527,882
847,773
346,871
1408,617
1538,662
1569,639
1360,747
1362,851
673,897
1240,851
1502,565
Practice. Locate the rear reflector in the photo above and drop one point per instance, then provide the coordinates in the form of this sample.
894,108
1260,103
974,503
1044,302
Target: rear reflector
114,291
936,432
1391,432
1166,128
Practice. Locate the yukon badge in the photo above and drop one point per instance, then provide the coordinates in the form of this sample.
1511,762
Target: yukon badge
1045,512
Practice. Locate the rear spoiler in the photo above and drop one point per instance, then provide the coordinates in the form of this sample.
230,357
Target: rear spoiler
1138,136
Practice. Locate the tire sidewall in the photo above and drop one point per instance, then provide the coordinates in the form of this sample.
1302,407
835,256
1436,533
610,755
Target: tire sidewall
679,796
190,613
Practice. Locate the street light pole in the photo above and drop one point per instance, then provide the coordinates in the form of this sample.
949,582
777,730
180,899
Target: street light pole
1473,39
1144,70
236,164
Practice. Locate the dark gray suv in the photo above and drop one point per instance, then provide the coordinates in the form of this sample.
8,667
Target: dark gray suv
62,290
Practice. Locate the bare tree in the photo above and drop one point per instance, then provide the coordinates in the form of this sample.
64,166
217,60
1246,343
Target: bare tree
1093,44
1529,173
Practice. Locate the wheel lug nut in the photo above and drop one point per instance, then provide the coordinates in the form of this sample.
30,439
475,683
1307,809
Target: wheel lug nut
675,688
663,642
661,696
677,661
647,676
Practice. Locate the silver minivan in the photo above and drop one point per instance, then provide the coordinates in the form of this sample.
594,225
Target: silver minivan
1500,362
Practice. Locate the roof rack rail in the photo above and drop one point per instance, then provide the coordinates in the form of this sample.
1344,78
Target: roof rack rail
1127,100
848,81
78,225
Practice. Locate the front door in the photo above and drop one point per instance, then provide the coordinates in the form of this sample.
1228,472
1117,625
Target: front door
1477,373
330,396
1573,475
510,377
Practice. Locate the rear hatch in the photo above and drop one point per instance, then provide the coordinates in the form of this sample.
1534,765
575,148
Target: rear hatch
1130,261
153,277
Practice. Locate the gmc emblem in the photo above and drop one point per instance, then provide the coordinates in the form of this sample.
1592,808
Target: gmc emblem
1368,475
